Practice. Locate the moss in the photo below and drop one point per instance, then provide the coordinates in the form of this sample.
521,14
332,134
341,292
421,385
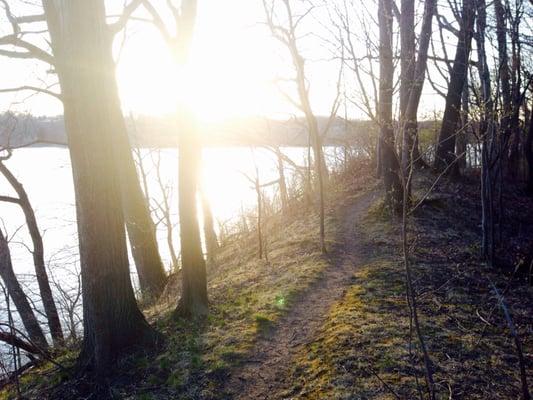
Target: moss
366,334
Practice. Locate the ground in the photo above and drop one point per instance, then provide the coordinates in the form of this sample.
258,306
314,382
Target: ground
302,325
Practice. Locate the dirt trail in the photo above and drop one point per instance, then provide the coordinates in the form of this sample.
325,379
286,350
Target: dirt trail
267,373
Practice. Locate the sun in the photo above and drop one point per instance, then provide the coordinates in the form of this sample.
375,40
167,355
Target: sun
229,75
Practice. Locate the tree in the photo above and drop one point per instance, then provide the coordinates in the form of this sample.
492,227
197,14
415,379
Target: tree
15,291
38,253
210,236
81,44
445,148
529,155
286,33
411,90
487,134
152,277
407,76
194,300
390,166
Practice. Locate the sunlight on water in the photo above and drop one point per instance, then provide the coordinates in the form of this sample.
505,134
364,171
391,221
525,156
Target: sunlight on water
46,176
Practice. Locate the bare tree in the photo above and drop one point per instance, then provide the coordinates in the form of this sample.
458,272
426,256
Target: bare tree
284,29
81,44
38,253
487,134
143,242
15,291
445,149
210,236
194,300
390,166
412,89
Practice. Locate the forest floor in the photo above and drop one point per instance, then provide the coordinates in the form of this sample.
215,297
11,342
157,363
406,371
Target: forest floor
267,370
302,325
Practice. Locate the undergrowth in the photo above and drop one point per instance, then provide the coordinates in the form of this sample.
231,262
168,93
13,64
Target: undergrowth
365,349
248,296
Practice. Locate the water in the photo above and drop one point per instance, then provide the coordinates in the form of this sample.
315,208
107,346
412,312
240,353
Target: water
46,175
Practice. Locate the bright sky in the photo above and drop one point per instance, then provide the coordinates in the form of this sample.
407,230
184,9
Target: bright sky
234,62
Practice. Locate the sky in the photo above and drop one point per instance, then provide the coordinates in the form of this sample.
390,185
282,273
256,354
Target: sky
235,64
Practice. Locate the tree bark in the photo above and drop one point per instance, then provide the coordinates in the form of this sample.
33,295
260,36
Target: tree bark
15,291
139,224
486,131
409,123
462,135
529,155
38,257
210,236
193,301
407,77
283,192
445,148
81,43
503,68
390,166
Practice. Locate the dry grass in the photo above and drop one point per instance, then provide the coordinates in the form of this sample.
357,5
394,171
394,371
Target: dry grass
247,297
367,335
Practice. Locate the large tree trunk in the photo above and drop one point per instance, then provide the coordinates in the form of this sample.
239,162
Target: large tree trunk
193,301
445,150
38,256
81,42
18,296
139,224
390,167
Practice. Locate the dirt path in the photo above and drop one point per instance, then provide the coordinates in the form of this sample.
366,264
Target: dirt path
267,373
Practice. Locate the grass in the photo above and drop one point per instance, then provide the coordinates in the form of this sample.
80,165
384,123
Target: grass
363,349
248,296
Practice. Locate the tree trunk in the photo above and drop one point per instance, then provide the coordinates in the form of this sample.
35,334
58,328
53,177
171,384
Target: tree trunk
462,135
445,149
81,42
529,155
321,170
38,257
503,70
16,293
139,224
390,167
194,301
409,125
283,192
515,137
486,131
407,77
210,236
